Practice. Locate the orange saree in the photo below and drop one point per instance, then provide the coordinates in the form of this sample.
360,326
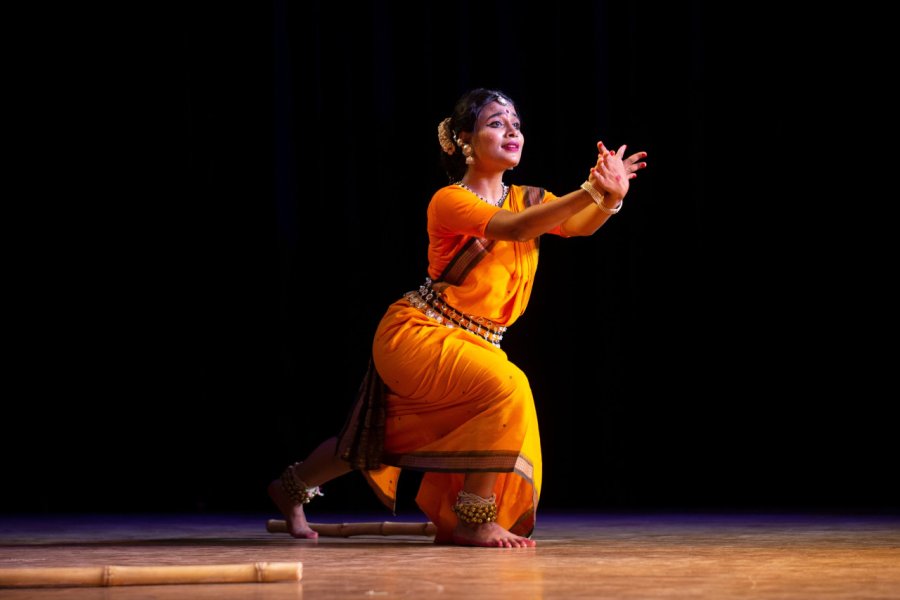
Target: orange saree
449,400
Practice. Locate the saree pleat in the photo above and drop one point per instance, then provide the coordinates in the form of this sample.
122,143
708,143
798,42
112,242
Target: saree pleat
362,437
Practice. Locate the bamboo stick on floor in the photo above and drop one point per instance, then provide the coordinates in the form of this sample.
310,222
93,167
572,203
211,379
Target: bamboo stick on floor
350,529
114,575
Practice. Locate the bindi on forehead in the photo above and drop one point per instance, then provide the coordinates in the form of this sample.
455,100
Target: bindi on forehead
500,113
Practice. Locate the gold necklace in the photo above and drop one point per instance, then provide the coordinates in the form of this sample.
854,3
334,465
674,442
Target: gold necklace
503,191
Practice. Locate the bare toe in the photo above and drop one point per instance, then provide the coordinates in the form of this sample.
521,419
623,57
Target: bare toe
489,535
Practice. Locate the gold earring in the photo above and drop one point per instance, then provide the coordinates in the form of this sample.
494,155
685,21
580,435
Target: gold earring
467,152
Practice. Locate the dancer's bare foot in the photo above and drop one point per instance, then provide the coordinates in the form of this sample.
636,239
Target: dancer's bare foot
489,535
293,513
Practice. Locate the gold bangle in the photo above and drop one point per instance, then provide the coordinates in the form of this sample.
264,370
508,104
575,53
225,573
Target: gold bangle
598,198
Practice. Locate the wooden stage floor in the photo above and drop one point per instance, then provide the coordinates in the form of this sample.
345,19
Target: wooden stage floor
612,556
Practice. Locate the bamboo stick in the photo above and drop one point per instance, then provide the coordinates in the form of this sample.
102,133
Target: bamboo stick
114,575
350,529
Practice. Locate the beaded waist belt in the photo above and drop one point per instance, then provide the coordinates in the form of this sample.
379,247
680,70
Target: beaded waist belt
428,301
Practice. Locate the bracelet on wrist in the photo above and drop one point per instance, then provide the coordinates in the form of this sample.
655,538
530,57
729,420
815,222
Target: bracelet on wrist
598,198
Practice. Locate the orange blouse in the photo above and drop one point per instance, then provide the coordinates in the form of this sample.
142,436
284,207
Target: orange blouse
500,287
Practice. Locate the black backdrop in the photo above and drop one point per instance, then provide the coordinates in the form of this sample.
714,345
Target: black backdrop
246,195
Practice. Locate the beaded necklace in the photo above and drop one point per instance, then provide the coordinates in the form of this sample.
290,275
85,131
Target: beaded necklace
503,191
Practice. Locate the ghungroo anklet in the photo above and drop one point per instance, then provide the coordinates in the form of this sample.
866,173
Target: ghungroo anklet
474,510
300,493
